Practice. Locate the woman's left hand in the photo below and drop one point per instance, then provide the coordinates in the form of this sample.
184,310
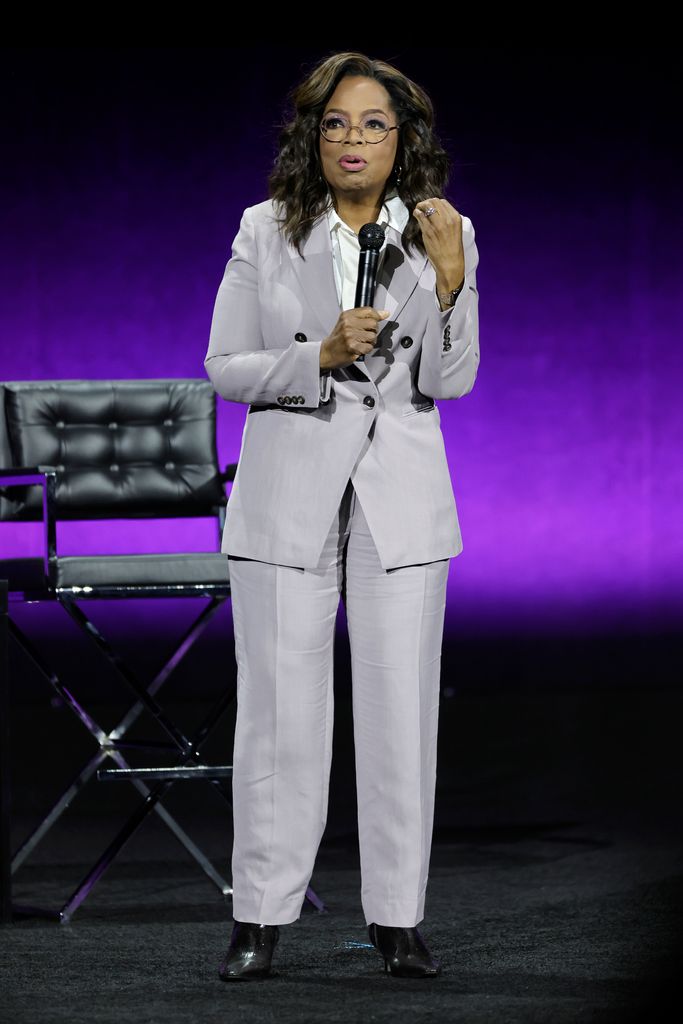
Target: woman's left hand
442,237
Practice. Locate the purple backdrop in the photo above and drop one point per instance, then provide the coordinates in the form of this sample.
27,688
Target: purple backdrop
125,176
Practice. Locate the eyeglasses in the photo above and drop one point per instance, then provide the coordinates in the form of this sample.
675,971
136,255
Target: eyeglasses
373,128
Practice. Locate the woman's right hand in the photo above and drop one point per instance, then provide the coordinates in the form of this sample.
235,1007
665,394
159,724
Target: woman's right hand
354,334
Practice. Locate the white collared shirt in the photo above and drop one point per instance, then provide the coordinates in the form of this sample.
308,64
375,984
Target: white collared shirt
346,252
346,247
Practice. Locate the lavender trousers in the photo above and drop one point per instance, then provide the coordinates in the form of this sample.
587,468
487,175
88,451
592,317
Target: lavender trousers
284,622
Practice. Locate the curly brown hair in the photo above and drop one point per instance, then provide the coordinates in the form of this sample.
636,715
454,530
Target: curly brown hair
296,180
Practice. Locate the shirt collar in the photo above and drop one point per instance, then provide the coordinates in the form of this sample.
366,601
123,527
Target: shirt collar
394,214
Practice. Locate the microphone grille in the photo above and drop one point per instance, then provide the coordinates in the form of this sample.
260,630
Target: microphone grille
371,236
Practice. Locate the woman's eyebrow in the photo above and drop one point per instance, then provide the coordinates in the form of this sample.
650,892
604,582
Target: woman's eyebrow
372,110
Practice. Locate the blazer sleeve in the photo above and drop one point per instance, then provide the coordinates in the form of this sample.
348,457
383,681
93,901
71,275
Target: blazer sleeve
237,362
449,358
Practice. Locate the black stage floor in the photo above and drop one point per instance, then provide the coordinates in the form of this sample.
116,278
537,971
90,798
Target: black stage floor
554,894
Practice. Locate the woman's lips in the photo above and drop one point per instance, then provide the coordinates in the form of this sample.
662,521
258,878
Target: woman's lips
352,163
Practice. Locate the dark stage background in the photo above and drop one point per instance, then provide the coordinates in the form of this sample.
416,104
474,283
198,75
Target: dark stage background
124,176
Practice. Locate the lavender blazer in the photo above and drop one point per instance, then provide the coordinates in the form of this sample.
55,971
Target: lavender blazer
380,424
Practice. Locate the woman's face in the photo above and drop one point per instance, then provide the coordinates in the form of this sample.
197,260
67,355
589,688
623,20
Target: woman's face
356,98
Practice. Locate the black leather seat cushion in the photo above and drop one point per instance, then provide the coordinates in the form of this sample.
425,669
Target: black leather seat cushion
119,570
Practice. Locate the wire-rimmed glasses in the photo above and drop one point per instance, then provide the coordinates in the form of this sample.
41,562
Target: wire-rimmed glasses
373,128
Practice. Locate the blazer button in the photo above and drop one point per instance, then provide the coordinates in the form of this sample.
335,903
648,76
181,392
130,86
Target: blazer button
300,336
406,342
369,401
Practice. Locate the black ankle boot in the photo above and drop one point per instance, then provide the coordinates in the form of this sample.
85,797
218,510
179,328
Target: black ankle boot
250,952
404,951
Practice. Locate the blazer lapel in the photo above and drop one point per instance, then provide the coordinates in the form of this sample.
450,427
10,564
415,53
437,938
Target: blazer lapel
396,281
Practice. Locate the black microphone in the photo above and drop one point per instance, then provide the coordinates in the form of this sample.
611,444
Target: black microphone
371,238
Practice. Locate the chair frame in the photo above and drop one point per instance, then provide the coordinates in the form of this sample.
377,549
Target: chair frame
151,783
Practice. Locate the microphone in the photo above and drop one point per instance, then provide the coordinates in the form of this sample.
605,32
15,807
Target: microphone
371,238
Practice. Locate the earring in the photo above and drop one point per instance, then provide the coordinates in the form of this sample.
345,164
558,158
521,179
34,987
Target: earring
397,171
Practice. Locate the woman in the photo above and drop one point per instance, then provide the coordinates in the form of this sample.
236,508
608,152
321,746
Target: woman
342,489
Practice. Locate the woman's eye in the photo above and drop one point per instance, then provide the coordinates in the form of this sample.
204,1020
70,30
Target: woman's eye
333,122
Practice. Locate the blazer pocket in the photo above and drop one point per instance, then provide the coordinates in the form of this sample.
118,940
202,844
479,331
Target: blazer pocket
424,407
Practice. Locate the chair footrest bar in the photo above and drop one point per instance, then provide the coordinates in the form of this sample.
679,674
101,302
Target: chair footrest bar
141,744
188,772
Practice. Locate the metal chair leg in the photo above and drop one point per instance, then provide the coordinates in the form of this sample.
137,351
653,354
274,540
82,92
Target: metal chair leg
5,796
106,750
109,743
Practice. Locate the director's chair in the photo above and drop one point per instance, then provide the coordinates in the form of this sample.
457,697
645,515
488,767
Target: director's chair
103,450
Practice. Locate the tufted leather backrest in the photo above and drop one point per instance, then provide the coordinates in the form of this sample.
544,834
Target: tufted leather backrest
122,448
